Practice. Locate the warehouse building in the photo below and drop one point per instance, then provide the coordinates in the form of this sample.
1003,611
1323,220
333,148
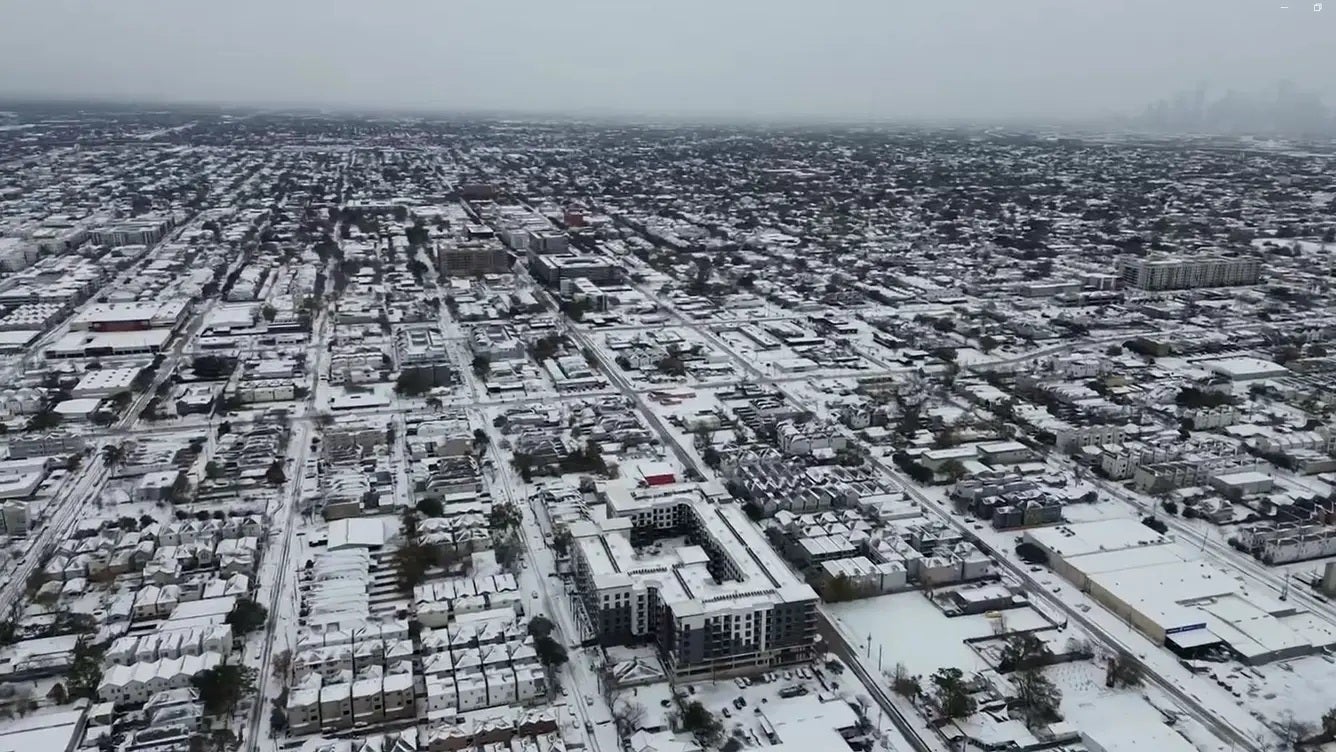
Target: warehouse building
1176,598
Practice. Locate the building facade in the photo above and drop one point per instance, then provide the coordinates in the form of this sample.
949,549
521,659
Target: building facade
1183,273
722,602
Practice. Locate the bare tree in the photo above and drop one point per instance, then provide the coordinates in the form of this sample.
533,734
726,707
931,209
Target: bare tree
1293,731
628,715
1037,697
905,685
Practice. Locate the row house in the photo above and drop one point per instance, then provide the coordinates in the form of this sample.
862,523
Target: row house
154,602
175,643
136,682
371,698
535,730
332,661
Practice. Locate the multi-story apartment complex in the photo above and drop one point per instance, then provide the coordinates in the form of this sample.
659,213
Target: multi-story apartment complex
473,258
716,600
1182,272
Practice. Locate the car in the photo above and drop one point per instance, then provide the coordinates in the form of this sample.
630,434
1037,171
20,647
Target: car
564,693
727,714
740,684
589,701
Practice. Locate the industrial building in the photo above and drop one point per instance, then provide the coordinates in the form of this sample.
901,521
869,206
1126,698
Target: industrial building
1174,596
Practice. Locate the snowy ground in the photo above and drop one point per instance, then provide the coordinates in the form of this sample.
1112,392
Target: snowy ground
907,628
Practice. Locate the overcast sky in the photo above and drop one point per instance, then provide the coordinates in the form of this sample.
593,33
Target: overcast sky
897,59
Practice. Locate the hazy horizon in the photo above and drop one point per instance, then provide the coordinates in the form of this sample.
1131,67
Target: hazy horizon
852,60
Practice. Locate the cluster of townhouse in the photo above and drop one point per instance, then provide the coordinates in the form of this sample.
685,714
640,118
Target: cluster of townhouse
1008,500
436,604
873,558
771,483
163,552
354,677
484,659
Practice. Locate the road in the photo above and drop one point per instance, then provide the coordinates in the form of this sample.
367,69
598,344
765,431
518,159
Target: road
281,607
619,379
91,475
1195,708
541,561
840,644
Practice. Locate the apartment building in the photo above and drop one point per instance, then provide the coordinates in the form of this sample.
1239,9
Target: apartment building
473,259
717,601
1189,272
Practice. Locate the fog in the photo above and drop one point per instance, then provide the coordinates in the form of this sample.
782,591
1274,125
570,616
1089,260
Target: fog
837,59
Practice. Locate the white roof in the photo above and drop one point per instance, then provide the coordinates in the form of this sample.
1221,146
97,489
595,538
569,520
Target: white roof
361,532
1246,368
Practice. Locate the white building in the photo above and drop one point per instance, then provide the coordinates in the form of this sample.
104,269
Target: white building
1184,272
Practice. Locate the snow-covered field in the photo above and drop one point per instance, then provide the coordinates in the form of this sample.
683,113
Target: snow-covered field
906,628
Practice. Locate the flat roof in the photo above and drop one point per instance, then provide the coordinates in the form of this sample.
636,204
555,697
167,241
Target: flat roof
356,532
80,341
48,732
18,337
1095,537
1246,368
1243,478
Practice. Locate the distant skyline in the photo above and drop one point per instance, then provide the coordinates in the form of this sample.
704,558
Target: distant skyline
882,60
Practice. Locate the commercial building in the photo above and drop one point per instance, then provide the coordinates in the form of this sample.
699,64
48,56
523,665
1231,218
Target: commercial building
1184,272
104,382
717,600
548,241
1175,597
551,269
82,344
142,231
131,317
16,254
472,259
